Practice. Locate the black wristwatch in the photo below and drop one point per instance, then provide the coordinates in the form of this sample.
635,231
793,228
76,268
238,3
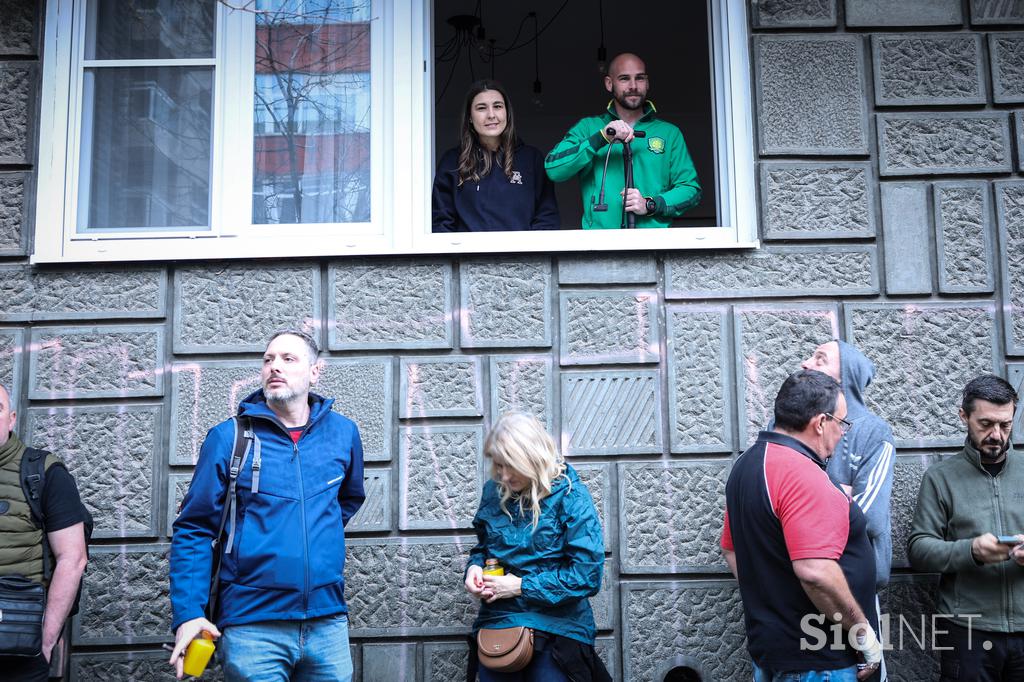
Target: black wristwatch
651,205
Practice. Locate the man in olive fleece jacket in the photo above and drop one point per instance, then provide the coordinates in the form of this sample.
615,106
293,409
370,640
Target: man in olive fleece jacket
665,181
968,507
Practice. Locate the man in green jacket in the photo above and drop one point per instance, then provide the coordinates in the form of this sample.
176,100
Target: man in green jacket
665,182
969,526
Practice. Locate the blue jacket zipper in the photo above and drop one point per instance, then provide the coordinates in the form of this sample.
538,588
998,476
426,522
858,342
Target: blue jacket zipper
302,504
305,531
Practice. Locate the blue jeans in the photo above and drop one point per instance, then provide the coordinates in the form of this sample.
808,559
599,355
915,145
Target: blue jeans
281,650
840,675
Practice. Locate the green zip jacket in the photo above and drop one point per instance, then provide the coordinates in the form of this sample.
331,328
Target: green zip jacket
662,169
959,501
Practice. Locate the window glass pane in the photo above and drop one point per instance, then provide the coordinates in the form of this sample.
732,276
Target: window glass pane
145,160
150,29
312,112
306,11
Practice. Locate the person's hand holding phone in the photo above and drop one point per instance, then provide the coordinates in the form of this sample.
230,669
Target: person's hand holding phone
1016,545
987,548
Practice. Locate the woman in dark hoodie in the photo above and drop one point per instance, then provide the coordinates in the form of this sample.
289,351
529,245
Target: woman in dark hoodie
492,181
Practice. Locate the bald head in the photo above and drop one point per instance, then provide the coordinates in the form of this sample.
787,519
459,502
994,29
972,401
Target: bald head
627,83
627,61
825,359
7,415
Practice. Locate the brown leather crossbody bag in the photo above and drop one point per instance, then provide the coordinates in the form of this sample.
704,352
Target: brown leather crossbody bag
505,650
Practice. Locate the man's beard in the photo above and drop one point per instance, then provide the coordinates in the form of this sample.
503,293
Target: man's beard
624,103
984,448
281,395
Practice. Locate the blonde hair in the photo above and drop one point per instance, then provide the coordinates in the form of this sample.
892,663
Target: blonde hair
521,443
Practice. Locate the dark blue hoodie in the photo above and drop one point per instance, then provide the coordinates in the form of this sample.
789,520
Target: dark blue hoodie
526,201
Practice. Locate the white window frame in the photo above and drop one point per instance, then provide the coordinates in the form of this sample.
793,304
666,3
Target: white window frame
402,155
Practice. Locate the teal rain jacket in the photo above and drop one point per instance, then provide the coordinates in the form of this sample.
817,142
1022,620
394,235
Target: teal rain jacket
560,563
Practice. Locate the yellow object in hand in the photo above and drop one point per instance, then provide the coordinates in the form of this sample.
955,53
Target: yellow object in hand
198,654
492,567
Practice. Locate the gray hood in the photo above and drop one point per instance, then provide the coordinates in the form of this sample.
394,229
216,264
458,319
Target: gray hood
855,373
865,456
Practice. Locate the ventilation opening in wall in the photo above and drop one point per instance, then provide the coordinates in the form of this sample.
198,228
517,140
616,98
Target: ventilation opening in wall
681,669
682,673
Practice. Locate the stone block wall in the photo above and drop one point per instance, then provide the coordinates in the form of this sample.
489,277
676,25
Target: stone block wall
891,197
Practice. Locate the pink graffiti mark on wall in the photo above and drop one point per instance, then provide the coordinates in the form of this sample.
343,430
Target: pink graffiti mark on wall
764,374
239,389
8,358
642,312
71,365
442,482
201,422
674,549
755,386
115,466
415,400
517,387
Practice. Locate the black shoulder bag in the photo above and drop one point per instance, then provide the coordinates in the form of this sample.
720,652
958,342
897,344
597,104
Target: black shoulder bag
22,602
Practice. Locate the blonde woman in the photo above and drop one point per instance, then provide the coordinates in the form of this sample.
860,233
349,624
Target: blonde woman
537,519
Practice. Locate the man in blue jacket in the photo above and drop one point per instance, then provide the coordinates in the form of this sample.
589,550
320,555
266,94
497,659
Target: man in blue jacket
281,610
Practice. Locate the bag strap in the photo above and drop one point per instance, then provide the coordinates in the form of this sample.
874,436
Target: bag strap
33,476
239,448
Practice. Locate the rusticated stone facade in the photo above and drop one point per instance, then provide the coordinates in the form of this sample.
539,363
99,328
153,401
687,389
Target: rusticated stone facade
891,203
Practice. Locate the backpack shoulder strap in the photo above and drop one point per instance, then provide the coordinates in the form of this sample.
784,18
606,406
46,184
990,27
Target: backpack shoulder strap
239,449
33,475
239,453
34,463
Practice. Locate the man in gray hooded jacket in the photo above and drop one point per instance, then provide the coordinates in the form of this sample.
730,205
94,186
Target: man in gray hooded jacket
863,460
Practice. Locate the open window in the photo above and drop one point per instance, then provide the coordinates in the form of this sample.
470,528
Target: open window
553,65
186,129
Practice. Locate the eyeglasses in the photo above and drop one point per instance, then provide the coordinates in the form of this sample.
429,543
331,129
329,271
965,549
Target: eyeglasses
844,425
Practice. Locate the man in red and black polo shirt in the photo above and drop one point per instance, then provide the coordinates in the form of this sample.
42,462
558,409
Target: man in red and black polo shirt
799,547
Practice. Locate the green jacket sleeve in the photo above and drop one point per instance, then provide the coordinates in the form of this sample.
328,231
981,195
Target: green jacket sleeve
684,190
579,575
575,152
927,547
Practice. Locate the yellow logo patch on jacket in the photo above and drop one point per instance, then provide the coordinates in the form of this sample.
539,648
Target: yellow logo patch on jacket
656,144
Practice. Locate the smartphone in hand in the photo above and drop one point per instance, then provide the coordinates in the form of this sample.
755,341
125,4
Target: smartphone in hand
1007,540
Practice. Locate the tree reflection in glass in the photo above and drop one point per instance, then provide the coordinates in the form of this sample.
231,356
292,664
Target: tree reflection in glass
312,112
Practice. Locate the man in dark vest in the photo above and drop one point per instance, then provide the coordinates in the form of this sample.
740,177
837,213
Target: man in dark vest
21,542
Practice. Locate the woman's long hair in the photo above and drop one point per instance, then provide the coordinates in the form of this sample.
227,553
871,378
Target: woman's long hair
520,442
474,159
